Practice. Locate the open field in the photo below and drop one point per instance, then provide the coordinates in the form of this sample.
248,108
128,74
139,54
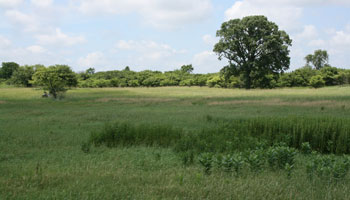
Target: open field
41,139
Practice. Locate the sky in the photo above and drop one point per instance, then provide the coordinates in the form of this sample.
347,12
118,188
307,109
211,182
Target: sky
160,35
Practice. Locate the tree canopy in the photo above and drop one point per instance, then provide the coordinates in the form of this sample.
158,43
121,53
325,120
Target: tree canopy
254,48
319,59
7,69
56,79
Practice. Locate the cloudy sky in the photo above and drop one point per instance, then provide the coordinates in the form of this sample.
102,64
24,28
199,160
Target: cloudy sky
159,34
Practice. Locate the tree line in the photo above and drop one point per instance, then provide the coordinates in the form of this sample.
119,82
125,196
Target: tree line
38,75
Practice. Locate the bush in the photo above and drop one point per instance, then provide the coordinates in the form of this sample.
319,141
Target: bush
317,81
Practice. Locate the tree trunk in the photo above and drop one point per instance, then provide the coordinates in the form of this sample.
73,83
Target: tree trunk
247,80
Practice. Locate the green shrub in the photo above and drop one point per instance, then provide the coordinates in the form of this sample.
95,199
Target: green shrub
317,81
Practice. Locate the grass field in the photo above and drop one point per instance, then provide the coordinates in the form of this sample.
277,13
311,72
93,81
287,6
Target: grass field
41,139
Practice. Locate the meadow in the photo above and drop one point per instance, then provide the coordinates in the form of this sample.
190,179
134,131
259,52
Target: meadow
157,143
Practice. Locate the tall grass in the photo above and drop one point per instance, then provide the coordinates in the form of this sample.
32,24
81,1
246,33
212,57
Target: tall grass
324,134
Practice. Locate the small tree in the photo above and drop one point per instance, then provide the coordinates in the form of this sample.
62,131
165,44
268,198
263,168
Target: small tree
56,79
319,59
254,48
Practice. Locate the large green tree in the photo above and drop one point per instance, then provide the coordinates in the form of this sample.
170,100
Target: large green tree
254,48
56,79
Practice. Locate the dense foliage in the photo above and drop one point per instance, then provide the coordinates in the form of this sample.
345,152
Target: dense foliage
56,79
302,77
254,47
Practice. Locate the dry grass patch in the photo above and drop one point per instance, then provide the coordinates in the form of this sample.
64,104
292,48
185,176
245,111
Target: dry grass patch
2,102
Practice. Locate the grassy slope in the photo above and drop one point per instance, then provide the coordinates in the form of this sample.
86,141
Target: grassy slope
40,140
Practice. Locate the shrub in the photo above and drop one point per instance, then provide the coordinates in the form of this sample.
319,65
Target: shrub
317,81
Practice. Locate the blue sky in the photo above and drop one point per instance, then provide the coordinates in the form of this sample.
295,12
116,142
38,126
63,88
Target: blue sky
159,34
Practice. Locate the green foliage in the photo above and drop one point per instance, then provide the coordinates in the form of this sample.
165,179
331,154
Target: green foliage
328,167
215,81
56,79
123,134
232,162
187,157
279,156
206,160
305,148
319,59
23,76
317,81
254,47
187,68
7,69
256,160
329,75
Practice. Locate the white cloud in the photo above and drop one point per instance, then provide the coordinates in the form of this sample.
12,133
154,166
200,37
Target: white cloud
147,54
309,32
148,50
42,3
305,2
29,23
207,62
10,3
317,43
210,40
341,38
285,15
59,38
92,60
159,13
36,49
4,42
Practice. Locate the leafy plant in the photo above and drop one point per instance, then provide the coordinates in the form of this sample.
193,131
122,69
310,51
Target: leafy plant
280,156
206,160
256,160
305,148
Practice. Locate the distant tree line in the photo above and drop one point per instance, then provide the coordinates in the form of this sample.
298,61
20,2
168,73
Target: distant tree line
62,75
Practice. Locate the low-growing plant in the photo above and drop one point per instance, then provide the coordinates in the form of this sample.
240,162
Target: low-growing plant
289,169
187,158
206,160
227,163
238,162
280,156
256,160
85,147
328,167
305,148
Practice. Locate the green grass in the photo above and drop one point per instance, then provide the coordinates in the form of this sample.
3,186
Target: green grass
41,156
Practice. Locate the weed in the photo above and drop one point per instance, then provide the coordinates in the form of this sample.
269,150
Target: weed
206,160
305,148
